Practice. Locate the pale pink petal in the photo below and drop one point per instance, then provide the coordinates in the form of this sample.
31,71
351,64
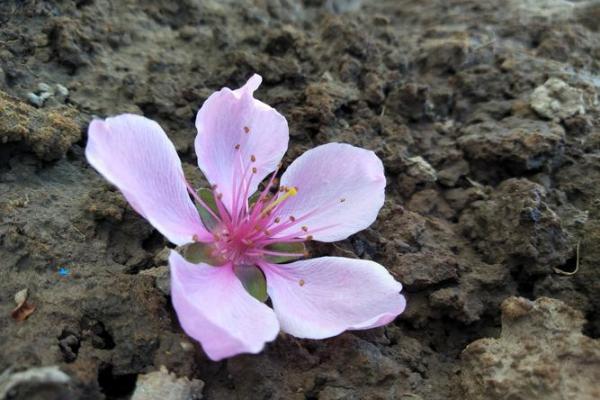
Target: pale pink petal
135,154
340,187
322,297
229,118
214,308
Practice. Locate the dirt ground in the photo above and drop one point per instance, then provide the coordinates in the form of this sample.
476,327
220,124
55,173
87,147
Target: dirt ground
485,114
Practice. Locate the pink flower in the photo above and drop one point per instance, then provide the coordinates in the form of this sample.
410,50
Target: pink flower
327,194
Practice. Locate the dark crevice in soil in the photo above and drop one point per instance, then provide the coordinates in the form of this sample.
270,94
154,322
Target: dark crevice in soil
115,387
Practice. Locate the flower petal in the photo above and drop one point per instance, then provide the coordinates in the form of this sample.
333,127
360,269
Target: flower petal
340,186
322,297
231,119
214,308
135,154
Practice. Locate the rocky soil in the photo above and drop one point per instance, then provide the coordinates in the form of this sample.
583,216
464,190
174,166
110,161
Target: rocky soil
485,113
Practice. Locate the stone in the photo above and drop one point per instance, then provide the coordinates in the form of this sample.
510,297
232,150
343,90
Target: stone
49,379
556,100
541,354
421,170
162,385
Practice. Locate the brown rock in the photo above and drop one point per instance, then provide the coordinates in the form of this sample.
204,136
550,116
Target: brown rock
541,354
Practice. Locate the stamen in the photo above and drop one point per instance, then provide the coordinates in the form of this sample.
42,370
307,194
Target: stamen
301,282
290,192
200,201
309,238
305,228
254,170
277,220
342,200
253,158
246,129
292,218
237,146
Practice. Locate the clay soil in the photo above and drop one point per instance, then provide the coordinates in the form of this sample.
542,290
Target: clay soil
487,196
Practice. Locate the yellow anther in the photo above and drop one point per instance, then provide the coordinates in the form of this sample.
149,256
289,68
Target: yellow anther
289,192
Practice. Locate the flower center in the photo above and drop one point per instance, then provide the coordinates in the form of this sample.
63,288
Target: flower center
247,240
252,231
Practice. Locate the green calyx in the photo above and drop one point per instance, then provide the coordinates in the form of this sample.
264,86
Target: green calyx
208,219
288,252
197,253
253,280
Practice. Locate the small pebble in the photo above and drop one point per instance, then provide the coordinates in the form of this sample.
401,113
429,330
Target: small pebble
62,90
34,99
44,87
45,95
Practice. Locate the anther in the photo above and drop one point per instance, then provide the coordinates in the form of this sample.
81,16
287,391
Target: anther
237,146
305,228
246,129
292,218
342,200
253,158
277,220
301,282
214,186
220,196
309,238
254,170
289,193
267,232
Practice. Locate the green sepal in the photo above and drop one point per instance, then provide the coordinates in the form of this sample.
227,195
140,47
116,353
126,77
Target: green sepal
253,199
253,280
292,248
207,218
197,253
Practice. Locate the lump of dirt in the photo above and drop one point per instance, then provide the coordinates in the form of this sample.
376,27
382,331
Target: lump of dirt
556,100
541,354
48,134
514,143
516,225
